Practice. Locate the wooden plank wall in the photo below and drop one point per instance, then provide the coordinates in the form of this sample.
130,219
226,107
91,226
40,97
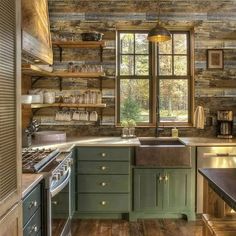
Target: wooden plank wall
214,24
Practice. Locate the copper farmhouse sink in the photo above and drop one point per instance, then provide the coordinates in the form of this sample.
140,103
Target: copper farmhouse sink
162,152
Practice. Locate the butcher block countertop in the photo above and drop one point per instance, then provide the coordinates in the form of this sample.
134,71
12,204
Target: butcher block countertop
222,181
29,181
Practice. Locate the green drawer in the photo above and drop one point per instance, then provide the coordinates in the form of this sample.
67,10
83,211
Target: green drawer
104,203
104,153
103,167
33,227
103,183
31,203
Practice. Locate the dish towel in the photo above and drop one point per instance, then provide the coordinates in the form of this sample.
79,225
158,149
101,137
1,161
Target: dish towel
199,118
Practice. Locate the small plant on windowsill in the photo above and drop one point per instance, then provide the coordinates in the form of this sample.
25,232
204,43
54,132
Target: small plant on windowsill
128,130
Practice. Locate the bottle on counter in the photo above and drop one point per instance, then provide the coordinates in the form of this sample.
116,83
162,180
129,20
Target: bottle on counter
174,132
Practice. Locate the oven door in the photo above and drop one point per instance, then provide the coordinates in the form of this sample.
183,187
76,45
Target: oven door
61,207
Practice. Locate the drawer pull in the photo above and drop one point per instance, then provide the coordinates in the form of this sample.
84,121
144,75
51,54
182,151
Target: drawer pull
104,154
33,204
103,184
103,203
103,167
34,229
160,178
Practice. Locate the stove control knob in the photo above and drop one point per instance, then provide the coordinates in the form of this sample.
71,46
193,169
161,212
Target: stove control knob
70,162
56,176
65,167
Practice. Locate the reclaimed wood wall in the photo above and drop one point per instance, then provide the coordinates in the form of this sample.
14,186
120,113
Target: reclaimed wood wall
214,24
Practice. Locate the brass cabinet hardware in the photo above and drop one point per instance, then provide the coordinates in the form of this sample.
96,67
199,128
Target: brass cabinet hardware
33,204
104,154
160,178
103,184
103,203
103,167
34,229
55,202
166,178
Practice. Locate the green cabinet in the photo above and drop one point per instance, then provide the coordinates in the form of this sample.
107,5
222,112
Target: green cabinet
32,212
164,192
103,181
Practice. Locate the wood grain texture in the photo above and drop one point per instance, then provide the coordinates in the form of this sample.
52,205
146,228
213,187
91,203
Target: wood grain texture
140,228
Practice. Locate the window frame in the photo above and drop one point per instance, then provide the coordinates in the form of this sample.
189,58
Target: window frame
154,78
148,77
188,77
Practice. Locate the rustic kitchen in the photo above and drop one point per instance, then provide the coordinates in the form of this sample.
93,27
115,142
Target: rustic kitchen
117,118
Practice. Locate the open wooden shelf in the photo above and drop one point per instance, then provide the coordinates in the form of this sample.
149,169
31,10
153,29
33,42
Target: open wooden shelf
78,44
34,70
71,105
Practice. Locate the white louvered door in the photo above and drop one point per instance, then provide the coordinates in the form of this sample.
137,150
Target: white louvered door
10,107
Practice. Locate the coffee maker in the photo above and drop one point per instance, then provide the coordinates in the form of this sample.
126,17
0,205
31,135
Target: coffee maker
225,124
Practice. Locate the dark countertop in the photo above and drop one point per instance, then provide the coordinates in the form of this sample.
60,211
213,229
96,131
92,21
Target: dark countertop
223,182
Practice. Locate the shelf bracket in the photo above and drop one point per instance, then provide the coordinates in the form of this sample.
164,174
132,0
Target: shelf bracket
60,83
60,52
101,53
36,79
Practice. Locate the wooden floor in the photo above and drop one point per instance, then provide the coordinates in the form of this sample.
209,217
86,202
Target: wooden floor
165,227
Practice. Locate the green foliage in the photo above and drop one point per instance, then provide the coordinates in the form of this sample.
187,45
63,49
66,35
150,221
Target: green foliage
130,109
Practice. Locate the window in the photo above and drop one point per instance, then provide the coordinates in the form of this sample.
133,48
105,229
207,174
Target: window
134,80
141,68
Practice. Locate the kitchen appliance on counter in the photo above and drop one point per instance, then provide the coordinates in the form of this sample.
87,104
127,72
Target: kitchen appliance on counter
212,157
56,168
225,124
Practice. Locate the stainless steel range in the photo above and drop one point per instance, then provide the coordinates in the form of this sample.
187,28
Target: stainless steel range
56,167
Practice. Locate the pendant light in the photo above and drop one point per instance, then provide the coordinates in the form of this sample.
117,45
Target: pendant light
158,33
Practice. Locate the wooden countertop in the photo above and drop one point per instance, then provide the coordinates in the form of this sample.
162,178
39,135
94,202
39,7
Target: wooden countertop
29,181
223,182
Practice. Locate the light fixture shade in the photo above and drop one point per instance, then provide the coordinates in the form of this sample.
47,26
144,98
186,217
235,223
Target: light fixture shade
158,34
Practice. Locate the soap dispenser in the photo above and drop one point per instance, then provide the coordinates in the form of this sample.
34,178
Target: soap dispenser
174,132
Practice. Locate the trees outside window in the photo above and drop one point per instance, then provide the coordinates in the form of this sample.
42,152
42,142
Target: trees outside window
140,68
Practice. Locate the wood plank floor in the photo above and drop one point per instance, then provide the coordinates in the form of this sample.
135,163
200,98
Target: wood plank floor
163,227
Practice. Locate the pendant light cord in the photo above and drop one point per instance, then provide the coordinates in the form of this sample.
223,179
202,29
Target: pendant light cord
159,11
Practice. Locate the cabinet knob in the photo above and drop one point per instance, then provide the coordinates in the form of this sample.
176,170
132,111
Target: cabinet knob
103,203
104,154
33,204
103,184
160,178
34,229
103,167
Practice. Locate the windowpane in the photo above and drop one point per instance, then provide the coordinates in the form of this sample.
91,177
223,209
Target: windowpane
127,65
141,44
173,100
165,65
134,99
180,65
127,43
180,44
165,47
142,65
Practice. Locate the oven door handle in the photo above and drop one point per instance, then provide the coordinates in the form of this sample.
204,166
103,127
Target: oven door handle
219,154
62,185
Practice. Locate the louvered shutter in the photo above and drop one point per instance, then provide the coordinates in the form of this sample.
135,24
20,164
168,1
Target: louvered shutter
8,103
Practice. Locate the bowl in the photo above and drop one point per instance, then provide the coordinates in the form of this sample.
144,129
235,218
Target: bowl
26,99
91,36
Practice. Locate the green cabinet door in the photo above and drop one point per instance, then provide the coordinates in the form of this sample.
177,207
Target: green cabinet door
177,189
148,190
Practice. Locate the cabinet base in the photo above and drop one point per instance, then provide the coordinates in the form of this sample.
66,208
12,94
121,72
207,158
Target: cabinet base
133,216
79,215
